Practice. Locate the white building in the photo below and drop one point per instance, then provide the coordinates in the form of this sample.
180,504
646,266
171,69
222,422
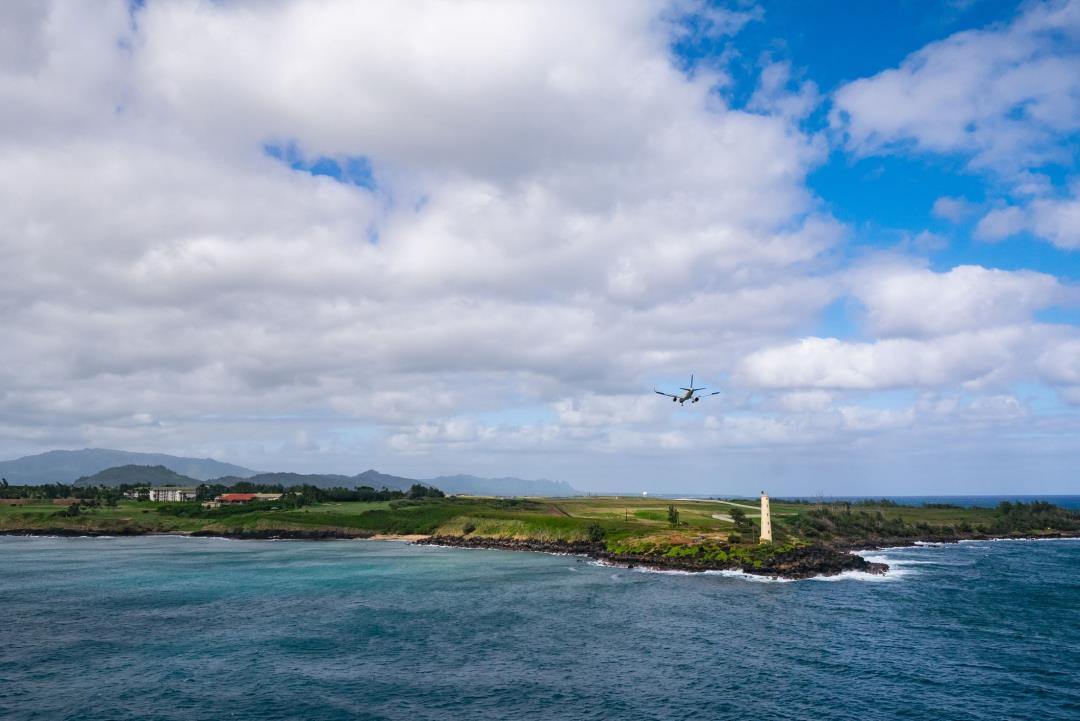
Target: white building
172,493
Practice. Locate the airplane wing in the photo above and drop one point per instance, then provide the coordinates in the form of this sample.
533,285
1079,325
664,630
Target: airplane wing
669,395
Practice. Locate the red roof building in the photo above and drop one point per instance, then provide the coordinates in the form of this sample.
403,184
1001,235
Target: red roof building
237,497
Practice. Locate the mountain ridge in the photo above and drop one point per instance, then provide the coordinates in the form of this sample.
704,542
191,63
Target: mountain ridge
66,466
132,475
71,466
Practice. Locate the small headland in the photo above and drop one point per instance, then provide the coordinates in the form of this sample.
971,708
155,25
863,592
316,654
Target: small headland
766,560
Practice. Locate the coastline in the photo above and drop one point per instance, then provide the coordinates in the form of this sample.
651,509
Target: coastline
800,563
803,562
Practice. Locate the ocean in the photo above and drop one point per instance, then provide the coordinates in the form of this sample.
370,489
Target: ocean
179,629
1065,501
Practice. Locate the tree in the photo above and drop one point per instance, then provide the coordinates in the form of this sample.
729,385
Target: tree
419,490
595,532
742,523
673,515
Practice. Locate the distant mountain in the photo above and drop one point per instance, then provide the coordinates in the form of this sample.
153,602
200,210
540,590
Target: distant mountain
382,480
326,480
322,480
471,485
137,475
86,467
508,486
67,466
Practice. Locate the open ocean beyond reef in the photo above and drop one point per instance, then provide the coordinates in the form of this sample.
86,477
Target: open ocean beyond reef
185,628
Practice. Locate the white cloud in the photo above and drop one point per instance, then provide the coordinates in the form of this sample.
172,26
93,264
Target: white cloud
778,93
954,210
1060,363
560,218
1004,96
558,212
1056,219
1000,223
973,359
907,301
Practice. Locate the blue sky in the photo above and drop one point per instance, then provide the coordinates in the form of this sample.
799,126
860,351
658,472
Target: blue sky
431,238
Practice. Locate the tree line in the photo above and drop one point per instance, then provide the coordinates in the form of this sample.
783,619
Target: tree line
292,495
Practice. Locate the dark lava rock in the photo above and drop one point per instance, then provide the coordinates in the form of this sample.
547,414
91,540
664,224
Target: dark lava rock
799,563
810,561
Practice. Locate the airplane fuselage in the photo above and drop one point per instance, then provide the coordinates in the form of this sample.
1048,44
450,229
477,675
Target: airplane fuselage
688,394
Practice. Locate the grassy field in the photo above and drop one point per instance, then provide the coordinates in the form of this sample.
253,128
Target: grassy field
628,521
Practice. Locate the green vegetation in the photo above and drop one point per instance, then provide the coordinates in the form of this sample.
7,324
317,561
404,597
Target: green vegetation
706,530
945,521
132,476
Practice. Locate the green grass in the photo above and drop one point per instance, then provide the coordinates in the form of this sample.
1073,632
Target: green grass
628,523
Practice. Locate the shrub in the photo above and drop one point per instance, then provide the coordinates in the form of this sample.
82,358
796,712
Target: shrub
594,532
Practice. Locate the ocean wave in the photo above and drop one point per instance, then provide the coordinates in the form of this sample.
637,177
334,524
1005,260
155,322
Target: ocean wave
752,577
725,573
890,576
1017,540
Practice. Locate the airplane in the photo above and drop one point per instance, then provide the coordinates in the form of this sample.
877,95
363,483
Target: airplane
688,395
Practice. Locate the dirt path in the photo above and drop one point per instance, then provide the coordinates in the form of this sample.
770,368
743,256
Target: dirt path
741,505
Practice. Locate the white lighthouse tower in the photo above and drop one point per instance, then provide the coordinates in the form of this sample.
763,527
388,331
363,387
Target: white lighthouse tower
766,519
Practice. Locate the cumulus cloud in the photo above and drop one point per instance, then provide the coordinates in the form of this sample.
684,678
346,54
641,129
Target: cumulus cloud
1060,366
557,216
954,210
1056,219
973,359
555,209
910,301
778,93
970,326
1005,96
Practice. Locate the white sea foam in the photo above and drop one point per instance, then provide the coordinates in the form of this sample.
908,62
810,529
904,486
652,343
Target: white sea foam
893,574
1017,540
753,577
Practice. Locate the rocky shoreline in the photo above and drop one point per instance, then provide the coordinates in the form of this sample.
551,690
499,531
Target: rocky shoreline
799,563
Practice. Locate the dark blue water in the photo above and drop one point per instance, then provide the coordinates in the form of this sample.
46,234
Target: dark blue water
1065,501
965,501
173,628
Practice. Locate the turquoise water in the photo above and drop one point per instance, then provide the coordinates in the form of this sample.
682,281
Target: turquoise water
176,628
